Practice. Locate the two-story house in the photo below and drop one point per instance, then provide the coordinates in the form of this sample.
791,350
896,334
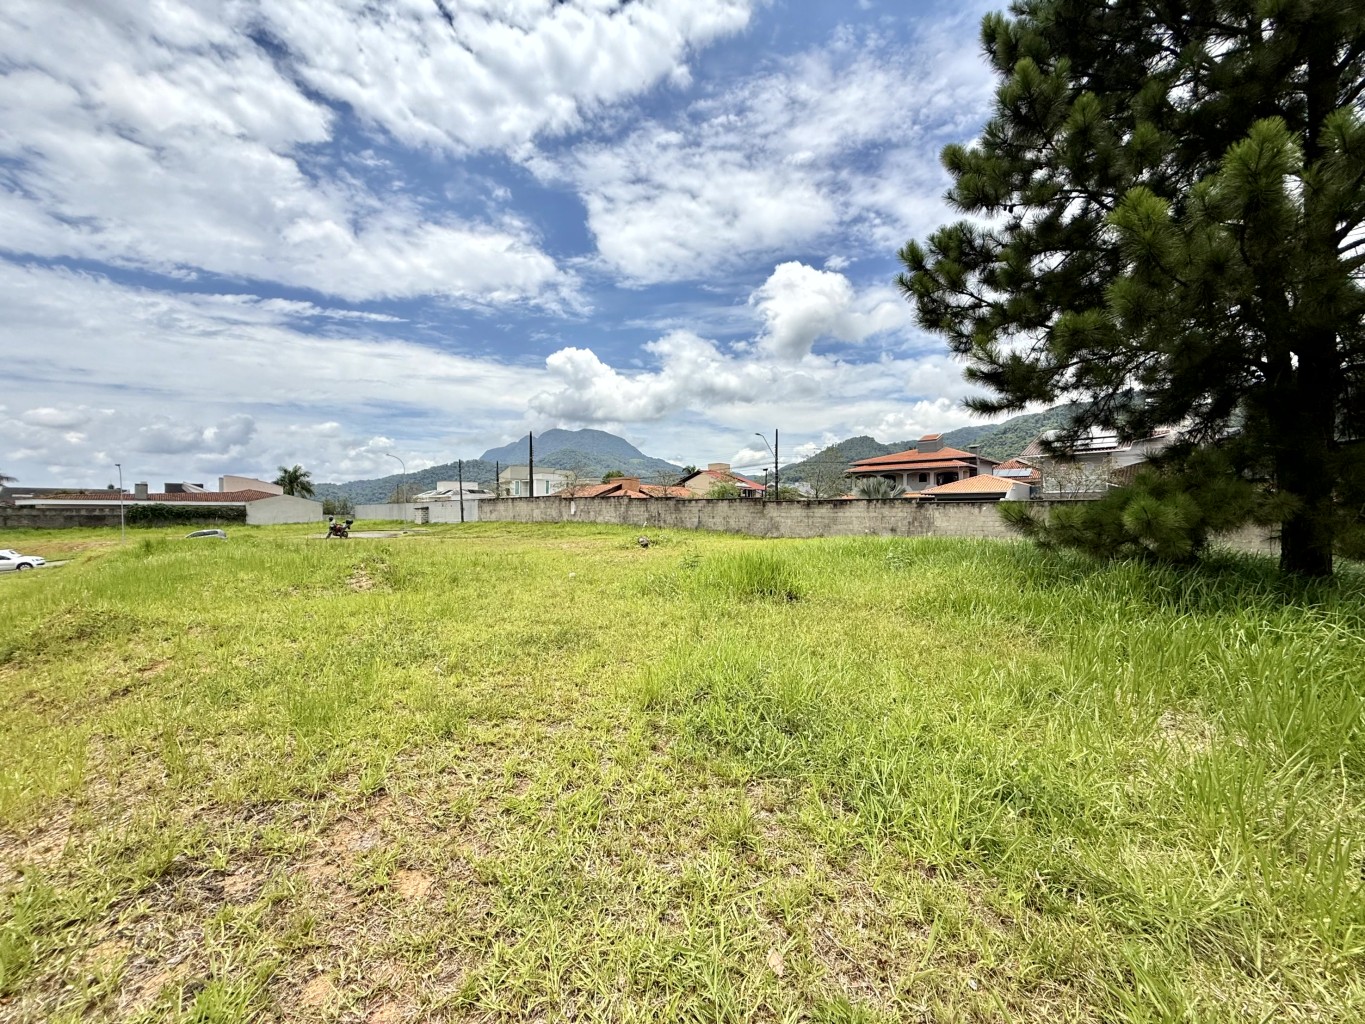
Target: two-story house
513,482
930,463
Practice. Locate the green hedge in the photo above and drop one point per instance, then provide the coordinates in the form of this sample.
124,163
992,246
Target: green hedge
157,514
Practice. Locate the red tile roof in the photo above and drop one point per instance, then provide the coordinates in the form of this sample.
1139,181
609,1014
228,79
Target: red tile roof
913,456
925,465
617,489
974,485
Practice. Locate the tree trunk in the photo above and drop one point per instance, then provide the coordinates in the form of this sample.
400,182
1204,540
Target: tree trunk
1306,537
1305,463
1305,435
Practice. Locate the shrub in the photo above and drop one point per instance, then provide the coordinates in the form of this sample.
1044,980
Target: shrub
340,506
1164,514
754,574
158,514
877,487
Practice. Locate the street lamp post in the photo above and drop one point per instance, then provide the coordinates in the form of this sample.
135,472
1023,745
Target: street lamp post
777,473
122,528
403,487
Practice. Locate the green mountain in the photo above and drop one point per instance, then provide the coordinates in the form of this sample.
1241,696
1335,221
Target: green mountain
827,467
1005,440
380,488
588,454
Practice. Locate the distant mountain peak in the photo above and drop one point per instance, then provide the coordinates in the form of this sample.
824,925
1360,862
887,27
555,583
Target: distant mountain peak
597,443
588,453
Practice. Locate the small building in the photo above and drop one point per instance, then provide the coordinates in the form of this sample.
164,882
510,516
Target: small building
624,487
1092,464
453,490
262,507
929,464
700,483
983,487
513,482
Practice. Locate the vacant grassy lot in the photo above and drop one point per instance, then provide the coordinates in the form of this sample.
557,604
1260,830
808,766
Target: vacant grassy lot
501,773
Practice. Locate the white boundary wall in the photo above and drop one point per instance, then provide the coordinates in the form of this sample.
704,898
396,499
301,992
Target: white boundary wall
283,508
406,512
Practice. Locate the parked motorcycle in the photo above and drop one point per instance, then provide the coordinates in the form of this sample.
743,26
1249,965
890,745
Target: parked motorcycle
339,530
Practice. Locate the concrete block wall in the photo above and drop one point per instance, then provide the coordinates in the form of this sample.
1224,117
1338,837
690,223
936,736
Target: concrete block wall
763,519
977,519
57,517
758,518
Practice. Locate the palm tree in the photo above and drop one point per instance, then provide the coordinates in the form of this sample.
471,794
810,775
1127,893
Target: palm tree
877,487
4,479
295,481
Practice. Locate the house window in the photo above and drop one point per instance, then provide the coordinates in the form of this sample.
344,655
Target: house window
516,488
924,478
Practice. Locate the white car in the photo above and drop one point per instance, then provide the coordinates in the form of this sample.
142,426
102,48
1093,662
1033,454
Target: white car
11,560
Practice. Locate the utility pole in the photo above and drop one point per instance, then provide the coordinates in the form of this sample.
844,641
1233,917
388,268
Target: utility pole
122,528
531,461
402,487
497,479
777,474
459,468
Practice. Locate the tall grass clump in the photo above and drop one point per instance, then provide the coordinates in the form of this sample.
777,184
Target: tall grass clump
751,574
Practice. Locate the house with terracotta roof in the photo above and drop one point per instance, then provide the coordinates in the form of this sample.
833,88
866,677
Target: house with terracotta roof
929,464
700,483
983,487
624,487
262,507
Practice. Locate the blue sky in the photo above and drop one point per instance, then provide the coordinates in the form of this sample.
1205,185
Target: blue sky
234,236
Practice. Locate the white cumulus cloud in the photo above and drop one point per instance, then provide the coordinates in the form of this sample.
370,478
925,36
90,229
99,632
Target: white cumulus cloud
800,305
165,137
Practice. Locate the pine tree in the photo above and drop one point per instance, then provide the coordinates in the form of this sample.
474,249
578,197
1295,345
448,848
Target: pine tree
1169,222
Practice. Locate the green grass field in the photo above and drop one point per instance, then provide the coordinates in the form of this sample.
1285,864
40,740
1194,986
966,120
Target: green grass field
539,773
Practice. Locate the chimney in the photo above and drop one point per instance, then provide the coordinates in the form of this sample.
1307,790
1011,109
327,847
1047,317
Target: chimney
718,467
930,443
139,492
629,483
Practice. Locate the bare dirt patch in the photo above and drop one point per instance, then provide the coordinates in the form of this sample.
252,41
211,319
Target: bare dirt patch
413,885
390,1012
1185,731
319,992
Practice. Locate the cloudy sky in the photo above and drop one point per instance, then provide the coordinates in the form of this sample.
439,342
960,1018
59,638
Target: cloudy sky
240,233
